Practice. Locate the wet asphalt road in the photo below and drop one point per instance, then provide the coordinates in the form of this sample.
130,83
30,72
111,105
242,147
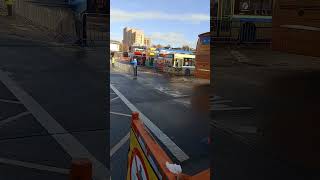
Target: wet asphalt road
237,145
70,85
168,107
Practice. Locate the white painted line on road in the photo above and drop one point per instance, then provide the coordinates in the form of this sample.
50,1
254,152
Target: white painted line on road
112,93
229,108
246,129
230,131
121,114
221,101
69,143
10,101
34,166
217,106
114,98
12,118
172,147
115,148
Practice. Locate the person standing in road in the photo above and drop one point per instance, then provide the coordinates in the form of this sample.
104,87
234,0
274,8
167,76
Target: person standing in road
9,4
135,66
112,60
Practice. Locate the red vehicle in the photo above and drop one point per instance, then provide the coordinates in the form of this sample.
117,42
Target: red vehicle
140,56
160,62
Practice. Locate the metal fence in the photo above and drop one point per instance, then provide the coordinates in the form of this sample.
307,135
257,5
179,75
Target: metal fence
95,29
242,31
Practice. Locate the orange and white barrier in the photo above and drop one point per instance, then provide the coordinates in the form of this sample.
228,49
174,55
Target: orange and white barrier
147,160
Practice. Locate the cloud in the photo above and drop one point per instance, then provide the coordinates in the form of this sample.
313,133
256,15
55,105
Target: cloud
172,38
118,15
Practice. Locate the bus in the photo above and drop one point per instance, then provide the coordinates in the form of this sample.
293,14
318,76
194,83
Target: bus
139,56
202,61
150,56
179,64
159,61
244,21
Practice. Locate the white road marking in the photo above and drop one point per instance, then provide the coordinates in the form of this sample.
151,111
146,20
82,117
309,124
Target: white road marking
115,148
112,93
114,98
34,166
121,114
170,92
230,131
246,129
172,147
184,102
217,106
12,118
221,101
10,101
69,143
212,98
229,108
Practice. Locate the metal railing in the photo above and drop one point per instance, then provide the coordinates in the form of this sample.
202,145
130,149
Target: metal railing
95,29
241,31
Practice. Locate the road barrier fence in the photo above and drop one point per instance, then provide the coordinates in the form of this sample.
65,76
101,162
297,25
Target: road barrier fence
95,29
242,31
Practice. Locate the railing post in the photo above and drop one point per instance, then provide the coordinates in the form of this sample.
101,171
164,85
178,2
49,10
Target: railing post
84,29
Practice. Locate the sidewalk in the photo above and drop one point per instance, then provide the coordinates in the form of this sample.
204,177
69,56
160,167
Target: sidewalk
264,56
65,81
243,75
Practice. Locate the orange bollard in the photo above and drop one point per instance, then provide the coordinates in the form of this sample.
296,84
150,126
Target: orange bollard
81,169
134,116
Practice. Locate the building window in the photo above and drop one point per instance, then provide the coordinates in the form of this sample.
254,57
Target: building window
205,40
253,7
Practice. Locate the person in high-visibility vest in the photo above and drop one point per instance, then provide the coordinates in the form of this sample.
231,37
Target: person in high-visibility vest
113,61
9,4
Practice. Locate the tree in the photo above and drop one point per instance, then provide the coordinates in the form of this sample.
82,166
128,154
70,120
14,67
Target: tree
168,46
186,48
120,47
159,46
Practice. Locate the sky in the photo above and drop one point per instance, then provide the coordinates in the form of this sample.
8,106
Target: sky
173,22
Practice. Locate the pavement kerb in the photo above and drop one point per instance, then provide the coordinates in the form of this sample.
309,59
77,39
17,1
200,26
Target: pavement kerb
123,67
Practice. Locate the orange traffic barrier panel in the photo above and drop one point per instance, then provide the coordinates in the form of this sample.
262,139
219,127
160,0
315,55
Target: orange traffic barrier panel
147,160
81,169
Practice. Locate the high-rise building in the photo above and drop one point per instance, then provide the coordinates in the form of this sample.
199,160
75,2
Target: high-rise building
134,37
147,41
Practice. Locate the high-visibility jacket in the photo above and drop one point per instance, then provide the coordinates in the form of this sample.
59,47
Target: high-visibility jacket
113,60
8,2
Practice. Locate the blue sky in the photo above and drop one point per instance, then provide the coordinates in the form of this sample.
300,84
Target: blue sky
174,22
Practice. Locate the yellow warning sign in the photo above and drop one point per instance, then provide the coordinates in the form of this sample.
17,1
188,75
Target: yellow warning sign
139,167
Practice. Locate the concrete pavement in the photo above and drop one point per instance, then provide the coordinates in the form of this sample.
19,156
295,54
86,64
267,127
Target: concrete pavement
62,91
